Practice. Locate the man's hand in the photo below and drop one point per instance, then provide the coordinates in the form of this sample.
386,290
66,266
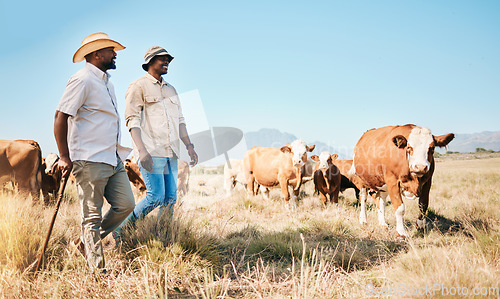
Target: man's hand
146,160
65,165
193,156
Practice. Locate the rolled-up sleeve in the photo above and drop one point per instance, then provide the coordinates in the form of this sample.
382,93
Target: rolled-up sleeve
181,116
134,104
74,96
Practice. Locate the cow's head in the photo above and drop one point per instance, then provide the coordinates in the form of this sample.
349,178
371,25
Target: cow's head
126,163
325,160
50,162
299,150
420,147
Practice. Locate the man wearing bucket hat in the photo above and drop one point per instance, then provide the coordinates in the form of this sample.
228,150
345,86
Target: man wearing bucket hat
87,132
154,117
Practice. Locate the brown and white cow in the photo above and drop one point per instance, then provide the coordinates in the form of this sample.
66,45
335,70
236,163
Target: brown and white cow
20,162
271,167
134,175
401,158
51,176
327,177
182,178
307,175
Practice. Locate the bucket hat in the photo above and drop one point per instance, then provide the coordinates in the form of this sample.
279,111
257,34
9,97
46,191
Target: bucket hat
152,52
94,42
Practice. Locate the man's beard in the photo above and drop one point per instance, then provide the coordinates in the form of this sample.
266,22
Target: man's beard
110,65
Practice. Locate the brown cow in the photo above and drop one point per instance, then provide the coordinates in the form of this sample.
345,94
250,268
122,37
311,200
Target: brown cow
51,176
327,177
348,180
134,175
351,180
20,162
400,158
270,167
182,178
307,175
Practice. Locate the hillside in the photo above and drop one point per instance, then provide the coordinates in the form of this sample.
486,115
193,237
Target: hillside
465,143
275,138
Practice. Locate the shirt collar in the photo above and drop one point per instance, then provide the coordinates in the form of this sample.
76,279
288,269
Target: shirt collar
96,71
154,80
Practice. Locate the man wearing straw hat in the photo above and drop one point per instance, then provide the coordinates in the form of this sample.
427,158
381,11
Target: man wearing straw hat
154,117
87,132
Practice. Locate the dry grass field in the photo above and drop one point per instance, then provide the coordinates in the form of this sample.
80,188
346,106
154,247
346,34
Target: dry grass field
239,247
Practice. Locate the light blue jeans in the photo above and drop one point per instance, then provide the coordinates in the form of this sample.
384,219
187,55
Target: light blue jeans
161,185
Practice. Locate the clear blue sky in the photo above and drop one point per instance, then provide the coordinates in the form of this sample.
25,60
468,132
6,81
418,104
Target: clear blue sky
321,70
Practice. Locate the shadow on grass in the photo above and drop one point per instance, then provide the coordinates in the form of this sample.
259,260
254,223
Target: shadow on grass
467,225
443,224
251,246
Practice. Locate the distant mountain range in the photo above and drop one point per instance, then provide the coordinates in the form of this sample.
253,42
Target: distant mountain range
276,138
462,143
465,143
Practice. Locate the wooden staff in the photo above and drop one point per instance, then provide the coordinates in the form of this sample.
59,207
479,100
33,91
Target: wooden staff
59,199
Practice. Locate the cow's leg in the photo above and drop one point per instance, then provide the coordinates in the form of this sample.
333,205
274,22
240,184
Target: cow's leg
398,205
30,186
284,191
323,198
46,198
334,197
356,191
362,201
380,200
265,192
250,184
228,185
295,197
423,203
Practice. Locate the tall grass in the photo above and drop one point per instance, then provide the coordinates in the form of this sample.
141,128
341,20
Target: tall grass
239,247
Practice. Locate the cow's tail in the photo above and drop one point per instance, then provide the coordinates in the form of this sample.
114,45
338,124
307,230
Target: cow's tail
352,172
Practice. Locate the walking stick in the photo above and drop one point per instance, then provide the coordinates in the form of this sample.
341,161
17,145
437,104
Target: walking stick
59,198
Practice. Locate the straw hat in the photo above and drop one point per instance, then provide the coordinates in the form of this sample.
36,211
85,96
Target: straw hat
94,42
152,52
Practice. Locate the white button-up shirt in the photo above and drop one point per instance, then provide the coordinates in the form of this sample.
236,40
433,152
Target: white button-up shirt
94,123
154,108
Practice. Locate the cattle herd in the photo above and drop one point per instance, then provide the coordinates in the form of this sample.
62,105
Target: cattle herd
394,161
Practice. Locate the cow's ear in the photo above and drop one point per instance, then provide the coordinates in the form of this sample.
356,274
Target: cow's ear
400,141
315,158
311,148
443,140
334,157
286,149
